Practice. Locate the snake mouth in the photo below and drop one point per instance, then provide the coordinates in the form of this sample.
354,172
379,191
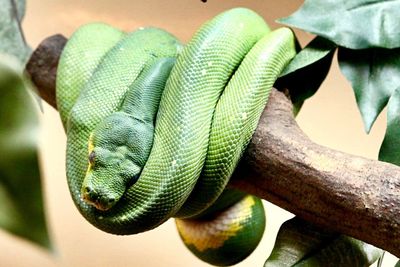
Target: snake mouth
97,200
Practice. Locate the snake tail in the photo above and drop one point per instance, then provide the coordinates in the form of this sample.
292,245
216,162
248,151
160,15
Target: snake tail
226,237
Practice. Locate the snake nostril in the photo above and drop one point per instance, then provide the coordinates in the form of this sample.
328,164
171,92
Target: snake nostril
89,195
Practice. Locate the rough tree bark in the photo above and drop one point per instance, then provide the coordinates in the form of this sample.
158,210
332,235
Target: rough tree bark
349,194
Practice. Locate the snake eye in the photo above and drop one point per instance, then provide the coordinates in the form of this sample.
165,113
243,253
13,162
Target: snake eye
92,156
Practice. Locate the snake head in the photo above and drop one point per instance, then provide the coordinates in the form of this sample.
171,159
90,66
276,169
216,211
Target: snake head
109,174
118,149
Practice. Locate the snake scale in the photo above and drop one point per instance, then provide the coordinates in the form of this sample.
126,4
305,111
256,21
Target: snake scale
155,129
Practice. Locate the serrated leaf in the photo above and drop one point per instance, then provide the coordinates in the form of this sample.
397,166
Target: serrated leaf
12,40
300,243
305,73
355,24
21,204
390,148
374,75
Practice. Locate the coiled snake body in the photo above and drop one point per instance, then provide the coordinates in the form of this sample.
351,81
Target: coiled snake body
109,86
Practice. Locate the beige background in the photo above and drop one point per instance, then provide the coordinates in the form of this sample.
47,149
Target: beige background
329,118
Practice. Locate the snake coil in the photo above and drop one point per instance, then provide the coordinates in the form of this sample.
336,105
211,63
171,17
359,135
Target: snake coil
149,138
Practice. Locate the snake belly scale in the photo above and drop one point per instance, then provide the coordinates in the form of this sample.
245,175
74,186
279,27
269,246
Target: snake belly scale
173,156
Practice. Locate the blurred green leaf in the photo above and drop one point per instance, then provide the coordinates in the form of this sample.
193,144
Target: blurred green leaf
397,264
300,243
390,148
374,75
21,203
305,73
355,24
12,40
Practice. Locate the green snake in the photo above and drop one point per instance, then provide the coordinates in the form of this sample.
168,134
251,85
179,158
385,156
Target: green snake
155,129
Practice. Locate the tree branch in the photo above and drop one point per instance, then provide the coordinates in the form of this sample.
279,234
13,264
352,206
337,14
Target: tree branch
349,194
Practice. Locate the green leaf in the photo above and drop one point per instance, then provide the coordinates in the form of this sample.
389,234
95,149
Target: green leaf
300,243
390,148
316,50
296,239
12,40
374,75
305,73
355,24
397,264
21,203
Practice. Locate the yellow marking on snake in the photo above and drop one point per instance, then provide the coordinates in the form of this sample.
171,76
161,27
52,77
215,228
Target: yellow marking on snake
213,234
90,149
90,143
